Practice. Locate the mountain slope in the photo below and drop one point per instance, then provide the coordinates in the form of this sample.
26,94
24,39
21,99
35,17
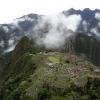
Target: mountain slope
88,46
48,76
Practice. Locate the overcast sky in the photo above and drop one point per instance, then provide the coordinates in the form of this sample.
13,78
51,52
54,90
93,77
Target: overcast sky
11,9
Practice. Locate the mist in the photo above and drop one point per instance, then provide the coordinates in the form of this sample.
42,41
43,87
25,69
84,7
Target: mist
53,30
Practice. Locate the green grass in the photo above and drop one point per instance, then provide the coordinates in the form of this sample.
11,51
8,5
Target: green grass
54,59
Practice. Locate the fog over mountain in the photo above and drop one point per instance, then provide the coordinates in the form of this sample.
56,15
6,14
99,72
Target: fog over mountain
50,30
53,30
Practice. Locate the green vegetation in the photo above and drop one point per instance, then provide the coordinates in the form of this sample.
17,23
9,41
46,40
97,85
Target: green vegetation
52,76
54,59
25,45
89,46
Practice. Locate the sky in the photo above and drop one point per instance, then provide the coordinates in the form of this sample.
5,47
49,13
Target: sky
12,9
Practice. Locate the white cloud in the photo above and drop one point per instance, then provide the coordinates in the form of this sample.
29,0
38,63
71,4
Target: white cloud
97,16
1,43
73,21
11,46
85,25
95,31
9,49
99,24
6,28
53,30
11,42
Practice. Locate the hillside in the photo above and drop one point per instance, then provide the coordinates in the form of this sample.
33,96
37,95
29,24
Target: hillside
35,74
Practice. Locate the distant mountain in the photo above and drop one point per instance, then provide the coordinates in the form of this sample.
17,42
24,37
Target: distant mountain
11,33
90,20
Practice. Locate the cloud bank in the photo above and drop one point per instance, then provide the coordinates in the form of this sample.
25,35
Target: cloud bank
52,31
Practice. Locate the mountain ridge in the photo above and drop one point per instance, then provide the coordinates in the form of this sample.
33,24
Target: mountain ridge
48,75
24,26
